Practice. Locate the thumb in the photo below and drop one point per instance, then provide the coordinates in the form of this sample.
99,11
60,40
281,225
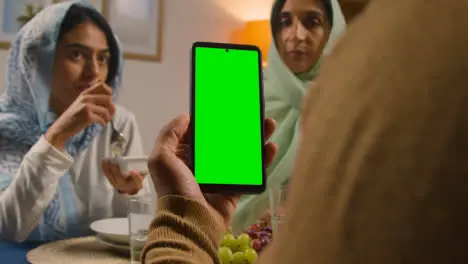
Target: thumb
172,134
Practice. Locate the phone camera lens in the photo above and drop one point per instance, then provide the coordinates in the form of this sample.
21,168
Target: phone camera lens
227,50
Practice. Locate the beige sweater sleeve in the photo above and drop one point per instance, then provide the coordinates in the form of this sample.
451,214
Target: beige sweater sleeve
182,232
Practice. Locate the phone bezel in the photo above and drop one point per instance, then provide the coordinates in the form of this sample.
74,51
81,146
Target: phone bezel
228,188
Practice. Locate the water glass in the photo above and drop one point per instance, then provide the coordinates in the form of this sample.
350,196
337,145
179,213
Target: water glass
140,215
277,199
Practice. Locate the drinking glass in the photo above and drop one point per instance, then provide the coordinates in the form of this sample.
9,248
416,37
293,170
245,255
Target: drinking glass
140,215
277,197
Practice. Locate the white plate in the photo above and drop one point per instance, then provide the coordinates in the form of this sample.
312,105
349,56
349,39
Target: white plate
118,247
112,230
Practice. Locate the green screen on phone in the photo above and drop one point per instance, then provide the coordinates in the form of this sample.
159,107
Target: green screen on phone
227,107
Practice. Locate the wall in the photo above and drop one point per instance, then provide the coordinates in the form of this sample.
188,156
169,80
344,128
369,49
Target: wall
157,92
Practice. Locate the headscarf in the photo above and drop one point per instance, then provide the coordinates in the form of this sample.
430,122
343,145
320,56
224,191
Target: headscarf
284,92
25,114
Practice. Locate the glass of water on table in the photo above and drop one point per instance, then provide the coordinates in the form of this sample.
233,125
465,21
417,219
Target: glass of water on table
277,197
141,213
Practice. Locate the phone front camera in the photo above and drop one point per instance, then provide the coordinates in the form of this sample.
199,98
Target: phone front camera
227,50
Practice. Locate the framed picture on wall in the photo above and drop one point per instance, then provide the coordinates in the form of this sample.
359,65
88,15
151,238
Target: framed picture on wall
138,25
14,14
98,4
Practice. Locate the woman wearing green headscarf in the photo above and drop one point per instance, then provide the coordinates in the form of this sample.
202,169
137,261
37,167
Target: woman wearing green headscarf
303,32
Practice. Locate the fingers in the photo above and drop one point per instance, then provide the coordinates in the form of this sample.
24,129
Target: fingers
98,114
270,148
129,184
99,103
107,169
184,152
118,176
270,126
135,181
173,133
270,153
100,100
99,88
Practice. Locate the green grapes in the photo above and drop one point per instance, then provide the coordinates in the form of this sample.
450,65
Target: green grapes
244,249
250,255
225,255
229,241
238,258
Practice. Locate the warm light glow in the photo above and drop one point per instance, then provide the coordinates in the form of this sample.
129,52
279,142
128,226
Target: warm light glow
256,33
243,10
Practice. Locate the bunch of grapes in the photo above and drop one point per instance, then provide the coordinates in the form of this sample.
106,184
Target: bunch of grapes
261,236
244,249
237,250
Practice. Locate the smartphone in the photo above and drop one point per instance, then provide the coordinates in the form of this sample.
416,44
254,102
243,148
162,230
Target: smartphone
227,118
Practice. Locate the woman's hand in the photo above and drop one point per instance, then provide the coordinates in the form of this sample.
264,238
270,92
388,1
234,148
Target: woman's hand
168,165
94,105
125,184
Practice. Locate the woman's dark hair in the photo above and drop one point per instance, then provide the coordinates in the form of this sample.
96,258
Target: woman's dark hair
276,14
78,15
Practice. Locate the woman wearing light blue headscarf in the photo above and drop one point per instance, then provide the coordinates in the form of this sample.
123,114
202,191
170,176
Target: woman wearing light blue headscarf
303,33
64,71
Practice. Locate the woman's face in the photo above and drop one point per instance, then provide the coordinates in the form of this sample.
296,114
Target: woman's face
304,31
81,60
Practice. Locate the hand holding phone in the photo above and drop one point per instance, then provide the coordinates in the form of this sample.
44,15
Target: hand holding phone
171,171
227,109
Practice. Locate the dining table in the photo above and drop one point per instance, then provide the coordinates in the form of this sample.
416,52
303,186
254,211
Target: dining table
83,250
15,252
